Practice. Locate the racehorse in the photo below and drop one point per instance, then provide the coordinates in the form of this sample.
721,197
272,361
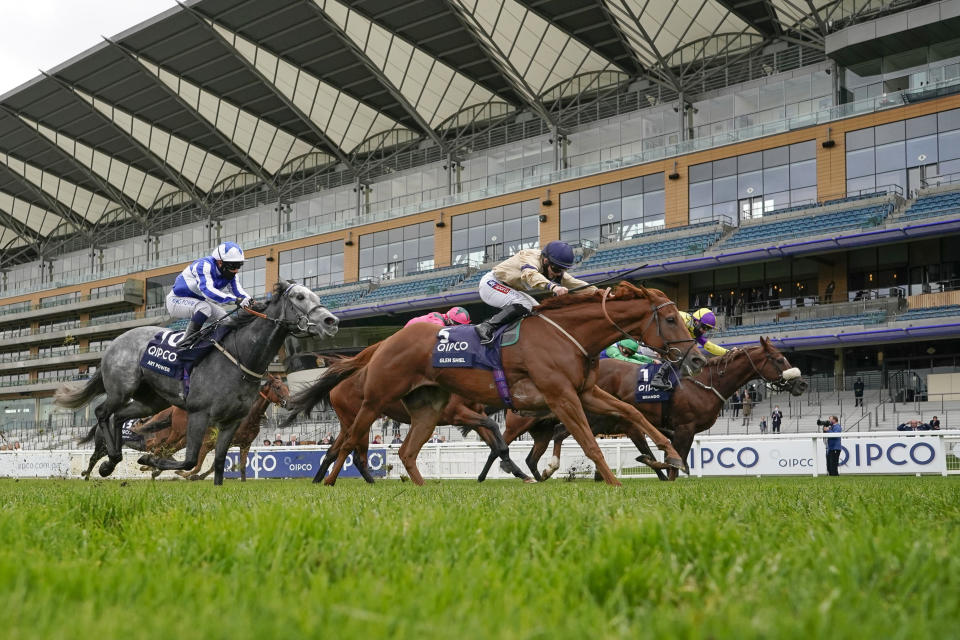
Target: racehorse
166,433
223,385
345,396
694,406
552,365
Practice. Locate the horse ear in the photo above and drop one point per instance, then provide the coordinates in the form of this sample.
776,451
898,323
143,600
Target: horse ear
765,343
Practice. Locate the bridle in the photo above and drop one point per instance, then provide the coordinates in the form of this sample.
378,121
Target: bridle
271,395
671,354
780,383
298,329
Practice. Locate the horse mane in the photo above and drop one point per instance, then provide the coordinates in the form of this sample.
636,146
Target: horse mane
623,291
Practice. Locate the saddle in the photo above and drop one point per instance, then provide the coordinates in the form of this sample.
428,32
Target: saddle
459,347
165,356
644,392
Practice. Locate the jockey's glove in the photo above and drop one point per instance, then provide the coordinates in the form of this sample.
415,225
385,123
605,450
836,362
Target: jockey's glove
243,303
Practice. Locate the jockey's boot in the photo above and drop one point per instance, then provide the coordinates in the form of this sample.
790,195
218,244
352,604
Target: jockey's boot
190,333
488,327
661,381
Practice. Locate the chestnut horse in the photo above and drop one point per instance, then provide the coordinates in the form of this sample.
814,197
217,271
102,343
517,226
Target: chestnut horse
166,433
552,365
345,396
694,407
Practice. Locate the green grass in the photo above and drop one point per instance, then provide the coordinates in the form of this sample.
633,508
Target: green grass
740,558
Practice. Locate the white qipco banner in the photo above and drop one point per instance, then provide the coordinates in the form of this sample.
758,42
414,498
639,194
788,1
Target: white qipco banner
806,454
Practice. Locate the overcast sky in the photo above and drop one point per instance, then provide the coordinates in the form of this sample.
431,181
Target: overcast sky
40,34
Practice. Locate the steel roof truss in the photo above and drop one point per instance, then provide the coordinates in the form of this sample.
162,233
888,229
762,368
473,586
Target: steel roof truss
330,146
175,177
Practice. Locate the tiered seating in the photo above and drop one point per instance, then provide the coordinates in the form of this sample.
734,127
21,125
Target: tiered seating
870,317
797,227
933,205
931,312
412,288
634,253
339,297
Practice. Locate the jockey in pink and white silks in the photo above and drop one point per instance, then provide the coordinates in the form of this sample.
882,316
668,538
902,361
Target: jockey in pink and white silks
206,284
528,269
455,315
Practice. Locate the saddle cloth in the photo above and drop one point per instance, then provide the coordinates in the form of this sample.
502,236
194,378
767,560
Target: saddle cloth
644,392
164,356
459,347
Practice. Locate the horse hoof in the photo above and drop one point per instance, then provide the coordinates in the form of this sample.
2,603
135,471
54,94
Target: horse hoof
193,478
106,469
674,462
529,481
146,460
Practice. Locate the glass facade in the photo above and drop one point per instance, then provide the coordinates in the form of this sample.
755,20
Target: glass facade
319,265
909,69
495,234
397,252
613,212
747,186
904,153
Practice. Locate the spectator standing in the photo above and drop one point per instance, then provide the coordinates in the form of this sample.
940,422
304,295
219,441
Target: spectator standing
763,426
833,446
935,423
747,409
858,392
828,293
735,403
776,417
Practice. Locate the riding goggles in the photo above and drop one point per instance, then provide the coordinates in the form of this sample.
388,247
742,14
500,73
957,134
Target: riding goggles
232,266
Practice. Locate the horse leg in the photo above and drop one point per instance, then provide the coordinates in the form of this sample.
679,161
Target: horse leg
99,450
512,432
489,432
554,464
598,401
568,409
358,430
224,440
360,461
331,455
208,443
646,453
242,461
424,406
196,430
110,430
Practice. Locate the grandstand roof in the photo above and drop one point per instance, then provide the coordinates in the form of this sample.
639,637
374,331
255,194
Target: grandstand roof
218,95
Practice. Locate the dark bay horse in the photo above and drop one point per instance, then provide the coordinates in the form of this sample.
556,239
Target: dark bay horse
552,365
166,433
693,408
345,397
223,385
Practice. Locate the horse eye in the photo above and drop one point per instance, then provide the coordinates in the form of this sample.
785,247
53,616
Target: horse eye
300,297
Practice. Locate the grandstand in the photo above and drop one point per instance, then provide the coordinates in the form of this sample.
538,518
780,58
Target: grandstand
754,161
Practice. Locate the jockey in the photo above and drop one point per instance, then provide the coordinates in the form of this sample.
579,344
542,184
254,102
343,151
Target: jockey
628,351
698,324
528,269
455,315
206,284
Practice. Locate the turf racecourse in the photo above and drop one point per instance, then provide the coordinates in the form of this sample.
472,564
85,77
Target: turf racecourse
741,558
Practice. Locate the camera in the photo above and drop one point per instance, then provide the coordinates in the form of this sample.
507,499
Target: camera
823,423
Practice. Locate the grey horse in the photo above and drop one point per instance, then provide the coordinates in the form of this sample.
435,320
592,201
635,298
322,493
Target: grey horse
223,385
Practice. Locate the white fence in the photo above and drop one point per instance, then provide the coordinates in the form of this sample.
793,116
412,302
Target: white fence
893,452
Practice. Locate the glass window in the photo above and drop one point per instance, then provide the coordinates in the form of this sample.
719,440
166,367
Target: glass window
749,162
889,132
776,157
725,189
948,120
890,156
750,184
725,167
860,163
701,172
776,179
922,126
803,151
949,145
922,151
701,194
860,139
569,199
803,174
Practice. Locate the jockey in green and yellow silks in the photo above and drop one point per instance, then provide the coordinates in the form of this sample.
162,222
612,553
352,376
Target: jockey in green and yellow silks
699,323
627,351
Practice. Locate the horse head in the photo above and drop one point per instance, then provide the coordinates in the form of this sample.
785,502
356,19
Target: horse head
302,313
665,332
275,391
777,371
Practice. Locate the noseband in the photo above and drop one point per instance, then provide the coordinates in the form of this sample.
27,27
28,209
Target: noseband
778,384
273,393
670,354
298,329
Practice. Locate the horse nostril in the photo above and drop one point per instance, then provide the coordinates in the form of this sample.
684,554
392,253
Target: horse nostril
329,320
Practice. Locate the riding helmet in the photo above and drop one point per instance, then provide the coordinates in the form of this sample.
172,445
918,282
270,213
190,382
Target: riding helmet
458,315
559,254
705,317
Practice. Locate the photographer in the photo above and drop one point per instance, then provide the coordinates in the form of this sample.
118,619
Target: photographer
832,425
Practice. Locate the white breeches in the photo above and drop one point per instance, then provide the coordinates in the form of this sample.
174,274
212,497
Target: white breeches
496,294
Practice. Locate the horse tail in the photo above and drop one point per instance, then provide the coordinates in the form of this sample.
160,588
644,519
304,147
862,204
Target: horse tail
89,437
159,422
74,395
319,392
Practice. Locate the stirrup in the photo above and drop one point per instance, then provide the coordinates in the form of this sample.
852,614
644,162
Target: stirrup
661,383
